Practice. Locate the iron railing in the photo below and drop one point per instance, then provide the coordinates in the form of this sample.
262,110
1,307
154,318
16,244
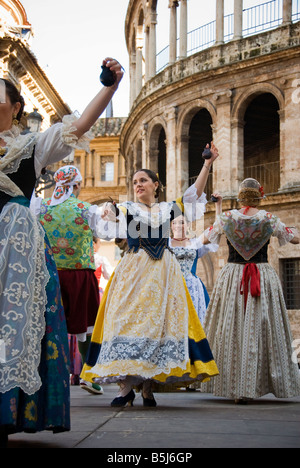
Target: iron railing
267,174
256,19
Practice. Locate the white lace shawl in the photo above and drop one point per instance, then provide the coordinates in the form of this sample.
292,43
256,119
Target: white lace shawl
23,270
194,208
51,146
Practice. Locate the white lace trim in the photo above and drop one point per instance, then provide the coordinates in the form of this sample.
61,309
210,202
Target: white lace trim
19,147
151,218
194,208
23,279
70,139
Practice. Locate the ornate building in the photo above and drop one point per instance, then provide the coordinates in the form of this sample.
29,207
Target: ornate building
238,86
19,65
103,169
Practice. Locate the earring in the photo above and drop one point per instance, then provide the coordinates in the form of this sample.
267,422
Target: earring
15,120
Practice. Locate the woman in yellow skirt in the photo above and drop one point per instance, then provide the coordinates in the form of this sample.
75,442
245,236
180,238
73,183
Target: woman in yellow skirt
147,329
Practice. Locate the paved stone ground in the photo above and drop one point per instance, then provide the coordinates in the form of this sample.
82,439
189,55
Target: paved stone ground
182,420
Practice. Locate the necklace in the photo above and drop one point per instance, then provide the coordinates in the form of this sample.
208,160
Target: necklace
146,204
2,150
180,240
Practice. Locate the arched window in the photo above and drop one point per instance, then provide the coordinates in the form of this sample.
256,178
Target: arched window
262,142
200,134
158,155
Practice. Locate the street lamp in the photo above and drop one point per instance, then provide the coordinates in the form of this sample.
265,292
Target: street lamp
34,121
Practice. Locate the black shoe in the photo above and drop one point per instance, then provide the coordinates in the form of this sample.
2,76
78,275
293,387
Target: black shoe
3,439
119,402
149,402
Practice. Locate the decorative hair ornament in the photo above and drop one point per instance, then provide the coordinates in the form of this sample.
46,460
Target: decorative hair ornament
261,189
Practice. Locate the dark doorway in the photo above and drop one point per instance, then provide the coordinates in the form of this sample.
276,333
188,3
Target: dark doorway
200,134
262,142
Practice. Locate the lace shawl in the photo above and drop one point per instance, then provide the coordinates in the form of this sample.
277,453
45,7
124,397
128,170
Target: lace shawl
194,209
19,147
248,234
23,270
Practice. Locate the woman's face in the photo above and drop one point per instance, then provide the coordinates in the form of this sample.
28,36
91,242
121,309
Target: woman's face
7,113
179,227
144,187
97,245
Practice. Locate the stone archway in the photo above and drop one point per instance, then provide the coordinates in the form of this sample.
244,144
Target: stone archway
158,153
196,129
239,112
262,142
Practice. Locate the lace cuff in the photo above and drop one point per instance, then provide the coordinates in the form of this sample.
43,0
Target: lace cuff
70,139
104,229
213,233
283,233
194,206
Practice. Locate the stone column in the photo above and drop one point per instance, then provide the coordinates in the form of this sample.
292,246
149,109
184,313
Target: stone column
223,167
183,164
173,31
147,53
219,22
237,154
238,20
183,29
132,79
144,132
139,69
97,169
290,136
171,157
152,45
287,12
89,173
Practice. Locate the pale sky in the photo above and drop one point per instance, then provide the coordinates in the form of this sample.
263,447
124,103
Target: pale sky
73,36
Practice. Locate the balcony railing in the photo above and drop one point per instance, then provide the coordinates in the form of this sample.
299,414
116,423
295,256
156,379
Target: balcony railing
267,174
256,19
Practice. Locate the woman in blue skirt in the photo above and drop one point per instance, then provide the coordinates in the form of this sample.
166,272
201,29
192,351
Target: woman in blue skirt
34,371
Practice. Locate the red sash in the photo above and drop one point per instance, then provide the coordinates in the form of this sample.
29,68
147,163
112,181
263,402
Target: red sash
251,275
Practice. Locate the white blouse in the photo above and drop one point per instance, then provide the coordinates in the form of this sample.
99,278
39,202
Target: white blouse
194,208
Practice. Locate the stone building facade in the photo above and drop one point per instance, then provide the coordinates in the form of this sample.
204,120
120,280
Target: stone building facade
19,65
244,93
103,172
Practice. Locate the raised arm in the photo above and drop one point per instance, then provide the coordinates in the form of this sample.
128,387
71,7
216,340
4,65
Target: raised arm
218,203
100,101
203,176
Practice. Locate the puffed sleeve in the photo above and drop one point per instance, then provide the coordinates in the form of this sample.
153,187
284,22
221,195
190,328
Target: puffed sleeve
283,233
190,204
214,232
58,142
105,229
203,249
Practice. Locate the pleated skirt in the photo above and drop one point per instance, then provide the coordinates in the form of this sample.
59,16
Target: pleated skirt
252,345
147,327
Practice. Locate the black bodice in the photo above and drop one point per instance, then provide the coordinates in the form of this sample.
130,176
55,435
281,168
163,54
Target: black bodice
260,257
24,178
